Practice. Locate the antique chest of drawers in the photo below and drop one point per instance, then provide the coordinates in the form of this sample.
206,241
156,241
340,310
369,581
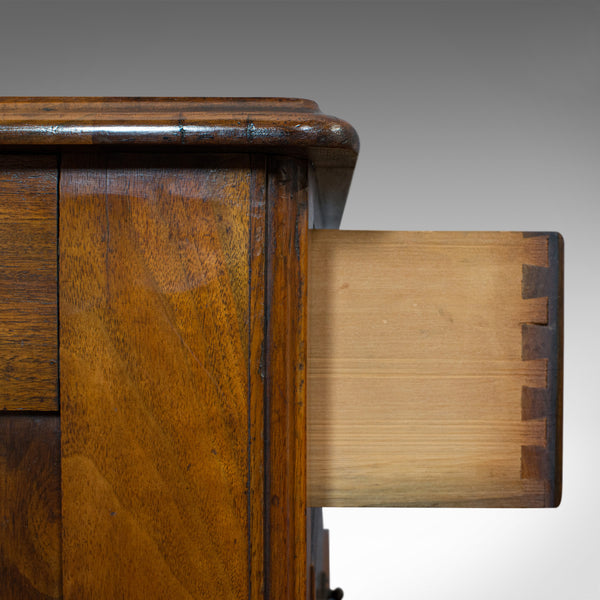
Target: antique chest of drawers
191,355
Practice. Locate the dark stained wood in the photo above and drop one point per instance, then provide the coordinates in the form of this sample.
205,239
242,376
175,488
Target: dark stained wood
30,543
544,340
269,125
28,263
286,354
154,376
209,122
183,335
256,382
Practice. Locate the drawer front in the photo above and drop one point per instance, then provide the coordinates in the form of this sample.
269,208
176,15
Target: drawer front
28,283
30,507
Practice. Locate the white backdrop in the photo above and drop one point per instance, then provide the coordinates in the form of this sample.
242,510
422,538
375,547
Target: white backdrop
472,115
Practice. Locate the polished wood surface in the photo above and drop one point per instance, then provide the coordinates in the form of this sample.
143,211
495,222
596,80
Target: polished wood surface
28,283
283,126
209,122
421,386
184,358
182,333
285,378
258,503
30,535
154,376
183,350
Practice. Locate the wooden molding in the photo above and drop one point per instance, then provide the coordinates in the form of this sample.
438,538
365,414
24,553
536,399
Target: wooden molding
285,379
200,122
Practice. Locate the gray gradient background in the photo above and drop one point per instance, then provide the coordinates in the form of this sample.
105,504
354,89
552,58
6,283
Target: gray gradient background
472,115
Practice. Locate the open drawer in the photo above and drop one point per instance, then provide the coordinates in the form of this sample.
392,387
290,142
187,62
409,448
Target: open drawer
435,369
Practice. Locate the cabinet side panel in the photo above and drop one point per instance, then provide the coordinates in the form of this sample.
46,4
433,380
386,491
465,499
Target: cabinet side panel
154,375
30,567
28,313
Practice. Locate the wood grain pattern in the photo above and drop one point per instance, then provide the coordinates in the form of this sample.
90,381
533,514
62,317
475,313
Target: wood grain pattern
208,122
154,376
28,264
292,126
183,335
183,351
416,370
285,379
30,536
257,416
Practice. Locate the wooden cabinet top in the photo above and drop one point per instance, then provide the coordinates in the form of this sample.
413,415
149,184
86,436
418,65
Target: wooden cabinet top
205,122
288,126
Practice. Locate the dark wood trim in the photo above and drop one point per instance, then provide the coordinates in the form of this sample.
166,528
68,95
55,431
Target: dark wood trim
256,380
290,126
285,382
209,122
545,341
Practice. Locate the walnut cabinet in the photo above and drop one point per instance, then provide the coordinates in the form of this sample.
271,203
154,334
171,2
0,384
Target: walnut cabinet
193,359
